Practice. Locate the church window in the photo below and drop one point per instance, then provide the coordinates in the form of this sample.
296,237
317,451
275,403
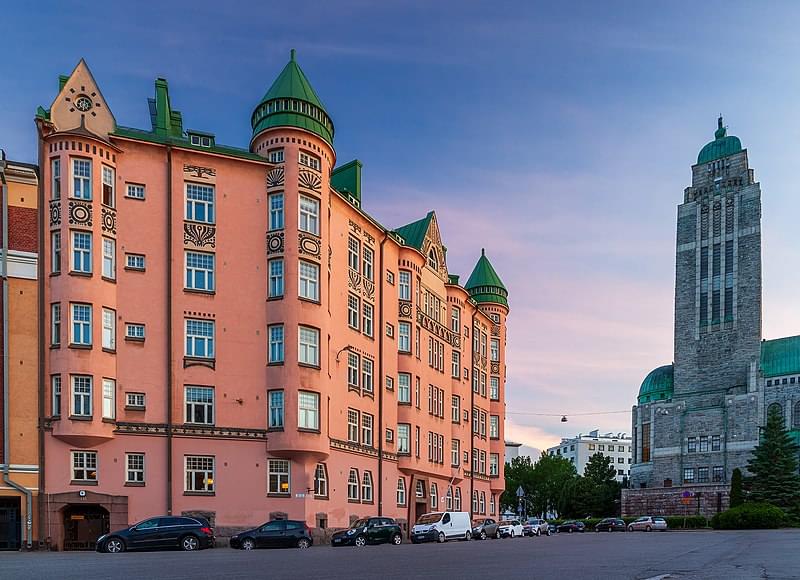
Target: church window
645,442
688,475
715,442
703,443
691,445
796,416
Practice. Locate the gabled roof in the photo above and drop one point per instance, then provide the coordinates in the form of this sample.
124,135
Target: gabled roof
414,233
780,356
484,285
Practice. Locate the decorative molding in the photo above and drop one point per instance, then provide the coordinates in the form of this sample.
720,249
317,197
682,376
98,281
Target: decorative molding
310,245
275,177
368,238
199,172
55,213
495,330
274,243
354,280
190,361
369,290
354,227
210,431
199,235
439,330
109,220
309,180
405,309
353,447
495,368
80,214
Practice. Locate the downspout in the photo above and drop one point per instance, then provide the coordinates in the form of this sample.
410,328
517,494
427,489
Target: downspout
41,340
472,417
6,444
169,330
380,385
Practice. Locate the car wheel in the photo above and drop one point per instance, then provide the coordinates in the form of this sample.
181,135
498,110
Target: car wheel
571,530
303,543
597,529
360,541
114,546
190,543
630,528
468,536
610,529
497,535
483,534
440,538
248,544
512,534
397,539
538,532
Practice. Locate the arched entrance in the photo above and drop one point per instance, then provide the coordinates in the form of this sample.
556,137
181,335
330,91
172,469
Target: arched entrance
83,524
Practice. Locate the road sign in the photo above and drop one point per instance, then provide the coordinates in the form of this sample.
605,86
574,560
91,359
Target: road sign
520,492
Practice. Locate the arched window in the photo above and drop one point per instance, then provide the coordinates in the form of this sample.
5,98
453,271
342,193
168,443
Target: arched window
482,506
448,500
433,259
475,502
401,491
491,505
457,506
366,487
434,496
419,489
796,416
321,481
775,407
352,485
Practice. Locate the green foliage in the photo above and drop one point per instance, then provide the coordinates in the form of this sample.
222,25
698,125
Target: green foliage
750,516
737,494
687,522
595,494
542,482
773,466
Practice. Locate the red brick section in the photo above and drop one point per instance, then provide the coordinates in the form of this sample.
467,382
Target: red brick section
2,347
22,229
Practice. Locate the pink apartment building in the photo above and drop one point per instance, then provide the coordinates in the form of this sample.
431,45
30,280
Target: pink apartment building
227,333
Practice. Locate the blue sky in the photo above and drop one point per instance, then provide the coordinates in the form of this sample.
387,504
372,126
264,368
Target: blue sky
565,131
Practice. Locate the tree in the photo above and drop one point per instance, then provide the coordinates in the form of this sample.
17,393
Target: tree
518,473
542,482
773,466
594,494
737,495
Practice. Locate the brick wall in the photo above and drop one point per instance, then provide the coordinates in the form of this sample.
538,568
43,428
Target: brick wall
22,229
705,500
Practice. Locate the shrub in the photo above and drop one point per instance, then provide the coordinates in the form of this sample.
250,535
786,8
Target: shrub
686,522
750,516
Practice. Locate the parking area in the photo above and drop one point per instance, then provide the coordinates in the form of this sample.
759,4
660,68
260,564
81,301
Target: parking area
703,555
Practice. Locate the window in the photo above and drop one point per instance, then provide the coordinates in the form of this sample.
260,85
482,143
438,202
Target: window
275,410
401,491
795,417
434,496
55,252
55,175
82,252
200,203
352,425
482,505
200,405
109,399
366,375
702,475
309,215
82,178
134,261
494,427
84,465
404,286
81,396
390,277
134,331
308,410
403,438
455,411
691,445
775,408
494,464
278,476
353,366
199,338
109,329
276,211
308,353
366,487
275,278
275,343
718,474
55,324
645,442
352,485
389,435
368,259
108,186
135,400
457,500
200,271
353,307
455,320
433,259
389,330
404,388
455,365
455,452
81,324
134,468
309,281
491,504
703,443
199,471
495,349
276,156
366,429
494,388
688,475
353,251
309,160
483,384
321,481
404,337
55,388
134,190
366,321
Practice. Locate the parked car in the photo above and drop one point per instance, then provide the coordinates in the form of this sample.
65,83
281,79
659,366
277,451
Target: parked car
551,529
186,533
441,526
485,528
610,525
535,527
274,534
572,526
369,531
648,524
510,529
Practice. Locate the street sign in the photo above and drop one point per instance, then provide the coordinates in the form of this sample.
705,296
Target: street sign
520,492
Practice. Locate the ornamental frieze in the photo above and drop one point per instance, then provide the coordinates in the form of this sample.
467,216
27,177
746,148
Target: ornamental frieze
405,309
369,289
274,242
495,330
439,330
191,431
275,177
354,280
55,213
309,245
353,447
309,180
368,238
80,214
495,370
354,227
199,172
109,223
199,235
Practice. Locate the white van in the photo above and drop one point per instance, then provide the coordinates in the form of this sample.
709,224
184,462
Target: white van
441,526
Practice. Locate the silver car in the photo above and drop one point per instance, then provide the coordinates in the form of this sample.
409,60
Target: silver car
648,524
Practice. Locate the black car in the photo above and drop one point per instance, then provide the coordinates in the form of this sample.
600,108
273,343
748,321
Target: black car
485,528
186,533
274,534
572,526
369,531
610,525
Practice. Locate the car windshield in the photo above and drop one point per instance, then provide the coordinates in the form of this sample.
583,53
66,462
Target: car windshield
359,523
477,523
643,519
506,523
429,518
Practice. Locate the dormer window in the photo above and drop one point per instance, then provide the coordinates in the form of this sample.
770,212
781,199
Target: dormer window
201,139
309,160
433,259
275,155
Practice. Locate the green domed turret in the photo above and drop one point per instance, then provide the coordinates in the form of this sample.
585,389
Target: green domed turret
657,386
722,145
292,102
484,285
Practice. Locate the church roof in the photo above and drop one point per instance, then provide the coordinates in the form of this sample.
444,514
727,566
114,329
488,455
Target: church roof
484,285
780,356
657,385
722,145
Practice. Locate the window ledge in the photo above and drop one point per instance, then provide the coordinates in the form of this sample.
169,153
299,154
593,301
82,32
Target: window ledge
107,279
80,418
307,430
134,339
190,361
325,497
81,346
110,350
54,274
80,274
134,484
271,298
308,365
274,429
111,421
278,363
132,269
200,291
55,346
82,482
309,300
199,493
350,500
286,495
134,408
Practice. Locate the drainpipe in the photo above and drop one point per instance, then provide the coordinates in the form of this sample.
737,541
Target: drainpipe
6,444
472,415
169,330
380,385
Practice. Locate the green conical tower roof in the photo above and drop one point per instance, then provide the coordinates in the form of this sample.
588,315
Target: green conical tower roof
292,102
484,285
722,145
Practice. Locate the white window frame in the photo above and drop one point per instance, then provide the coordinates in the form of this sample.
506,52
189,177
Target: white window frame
109,399
308,283
367,382
494,351
353,311
366,487
109,265
199,400
353,253
353,370
279,477
276,211
353,484
199,268
109,190
80,329
404,439
308,414
404,285
109,334
367,263
135,400
81,388
55,394
401,491
367,318
494,388
309,160
404,388
404,336
367,429
55,324
199,342
81,256
135,190
204,465
132,262
353,425
200,200
275,155
276,409
277,339
308,346
308,215
55,252
135,331
276,277
321,480
55,178
134,468
84,465
81,178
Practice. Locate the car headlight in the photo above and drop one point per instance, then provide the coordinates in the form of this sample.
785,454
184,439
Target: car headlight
350,532
235,537
432,528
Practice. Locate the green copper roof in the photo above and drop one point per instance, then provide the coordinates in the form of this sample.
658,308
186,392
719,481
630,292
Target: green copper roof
722,145
414,233
780,356
657,386
292,102
484,285
347,179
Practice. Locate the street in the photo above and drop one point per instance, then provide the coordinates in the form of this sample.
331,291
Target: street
705,555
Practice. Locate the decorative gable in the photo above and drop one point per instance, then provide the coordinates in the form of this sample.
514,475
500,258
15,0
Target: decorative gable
433,250
80,105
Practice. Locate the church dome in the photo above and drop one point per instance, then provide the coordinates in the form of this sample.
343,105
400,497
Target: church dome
657,386
722,145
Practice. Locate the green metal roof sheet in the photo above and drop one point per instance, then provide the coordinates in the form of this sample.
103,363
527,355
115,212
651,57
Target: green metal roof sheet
150,137
484,285
658,385
414,233
780,356
722,145
347,178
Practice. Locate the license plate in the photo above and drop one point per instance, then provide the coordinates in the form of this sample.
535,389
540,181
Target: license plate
337,540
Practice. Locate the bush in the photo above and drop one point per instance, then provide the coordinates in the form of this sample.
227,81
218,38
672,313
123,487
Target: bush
750,516
687,522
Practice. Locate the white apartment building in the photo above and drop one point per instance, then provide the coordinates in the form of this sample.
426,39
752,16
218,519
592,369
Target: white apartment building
579,449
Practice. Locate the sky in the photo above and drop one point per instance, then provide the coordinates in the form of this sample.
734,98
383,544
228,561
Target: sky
557,135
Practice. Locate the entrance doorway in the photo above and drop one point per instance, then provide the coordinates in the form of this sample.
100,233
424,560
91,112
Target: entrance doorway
10,523
83,524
